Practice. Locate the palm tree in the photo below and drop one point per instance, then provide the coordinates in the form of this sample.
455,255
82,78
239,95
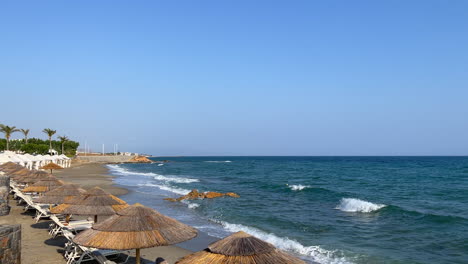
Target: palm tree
63,139
25,132
49,133
8,130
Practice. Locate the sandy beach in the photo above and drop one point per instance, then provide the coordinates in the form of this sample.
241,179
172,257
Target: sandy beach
39,248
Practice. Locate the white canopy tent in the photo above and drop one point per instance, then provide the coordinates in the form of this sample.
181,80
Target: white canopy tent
4,158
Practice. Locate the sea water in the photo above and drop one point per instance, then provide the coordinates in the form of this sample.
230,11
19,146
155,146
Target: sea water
321,209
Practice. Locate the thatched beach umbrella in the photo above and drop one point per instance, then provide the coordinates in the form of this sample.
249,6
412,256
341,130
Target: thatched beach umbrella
51,166
8,166
240,248
32,177
136,227
44,185
61,194
93,202
30,172
21,172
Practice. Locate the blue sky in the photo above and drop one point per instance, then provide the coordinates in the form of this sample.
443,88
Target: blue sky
240,77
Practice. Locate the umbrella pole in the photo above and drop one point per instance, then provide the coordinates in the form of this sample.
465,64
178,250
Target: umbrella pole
137,256
67,218
95,219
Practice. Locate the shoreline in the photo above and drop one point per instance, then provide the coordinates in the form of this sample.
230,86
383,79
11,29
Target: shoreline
39,248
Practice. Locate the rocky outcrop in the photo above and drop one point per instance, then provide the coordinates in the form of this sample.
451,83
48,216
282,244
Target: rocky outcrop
195,194
10,244
4,192
140,159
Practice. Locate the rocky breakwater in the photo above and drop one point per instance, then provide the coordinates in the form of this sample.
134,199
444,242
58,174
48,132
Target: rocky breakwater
195,194
4,192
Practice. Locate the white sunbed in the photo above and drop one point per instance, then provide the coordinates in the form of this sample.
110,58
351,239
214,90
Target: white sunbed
42,211
59,227
75,254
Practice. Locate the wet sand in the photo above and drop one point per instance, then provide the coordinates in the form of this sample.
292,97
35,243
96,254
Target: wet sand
39,248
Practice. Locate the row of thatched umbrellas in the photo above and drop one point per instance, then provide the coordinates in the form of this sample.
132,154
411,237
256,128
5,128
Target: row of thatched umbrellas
136,226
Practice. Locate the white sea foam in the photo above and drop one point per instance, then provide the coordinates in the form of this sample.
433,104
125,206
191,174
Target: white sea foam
122,171
167,188
298,187
219,161
174,179
160,164
316,253
356,205
190,205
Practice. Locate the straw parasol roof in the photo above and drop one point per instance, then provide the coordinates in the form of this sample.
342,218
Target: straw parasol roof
9,166
51,166
33,177
240,248
44,185
21,172
30,172
136,227
61,194
93,202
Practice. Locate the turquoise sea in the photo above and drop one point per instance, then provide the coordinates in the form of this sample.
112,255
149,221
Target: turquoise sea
322,209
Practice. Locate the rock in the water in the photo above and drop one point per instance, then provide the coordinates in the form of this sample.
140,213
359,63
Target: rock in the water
195,194
211,195
231,194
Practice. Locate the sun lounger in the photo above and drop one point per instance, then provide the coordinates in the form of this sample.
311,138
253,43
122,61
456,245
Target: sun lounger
42,211
75,254
58,227
25,198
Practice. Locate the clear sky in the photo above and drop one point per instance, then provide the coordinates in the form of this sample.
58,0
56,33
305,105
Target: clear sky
240,77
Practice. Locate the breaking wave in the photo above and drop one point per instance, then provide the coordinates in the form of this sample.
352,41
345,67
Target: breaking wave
298,187
356,205
174,179
190,205
218,161
315,253
167,188
122,171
